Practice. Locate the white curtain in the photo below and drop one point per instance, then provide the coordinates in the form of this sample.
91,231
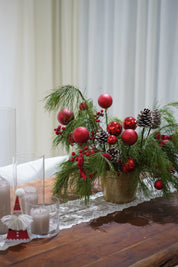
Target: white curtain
27,69
127,48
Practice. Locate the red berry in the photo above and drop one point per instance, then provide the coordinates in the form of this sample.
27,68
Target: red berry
98,113
86,147
80,151
73,153
63,128
97,120
72,159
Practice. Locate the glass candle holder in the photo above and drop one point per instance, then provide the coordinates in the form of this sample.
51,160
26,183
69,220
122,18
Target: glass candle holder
5,207
29,174
7,135
45,217
30,196
7,152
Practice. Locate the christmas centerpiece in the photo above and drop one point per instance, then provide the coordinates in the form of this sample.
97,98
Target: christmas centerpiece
123,154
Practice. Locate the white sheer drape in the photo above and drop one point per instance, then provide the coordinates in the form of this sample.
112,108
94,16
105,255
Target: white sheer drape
26,69
130,52
127,48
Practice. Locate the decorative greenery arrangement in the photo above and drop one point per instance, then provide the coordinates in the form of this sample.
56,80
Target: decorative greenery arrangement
147,146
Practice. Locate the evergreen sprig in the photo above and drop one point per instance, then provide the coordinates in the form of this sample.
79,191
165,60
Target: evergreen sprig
66,96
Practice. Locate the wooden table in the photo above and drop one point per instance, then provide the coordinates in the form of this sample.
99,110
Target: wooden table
140,236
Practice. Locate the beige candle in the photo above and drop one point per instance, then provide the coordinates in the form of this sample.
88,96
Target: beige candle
4,203
40,224
30,197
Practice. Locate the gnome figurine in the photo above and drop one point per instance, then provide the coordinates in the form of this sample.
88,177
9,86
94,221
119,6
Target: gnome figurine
17,223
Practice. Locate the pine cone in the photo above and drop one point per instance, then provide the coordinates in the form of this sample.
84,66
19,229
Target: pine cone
144,119
102,136
156,118
115,154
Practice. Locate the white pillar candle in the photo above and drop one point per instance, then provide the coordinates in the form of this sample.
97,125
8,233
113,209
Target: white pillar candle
40,224
4,203
30,197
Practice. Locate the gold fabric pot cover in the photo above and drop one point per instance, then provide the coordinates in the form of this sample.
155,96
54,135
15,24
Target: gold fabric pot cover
119,189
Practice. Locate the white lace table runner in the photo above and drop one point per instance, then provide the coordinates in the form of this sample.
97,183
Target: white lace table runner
75,212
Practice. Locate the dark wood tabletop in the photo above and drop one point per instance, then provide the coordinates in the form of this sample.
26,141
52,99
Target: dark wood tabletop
145,235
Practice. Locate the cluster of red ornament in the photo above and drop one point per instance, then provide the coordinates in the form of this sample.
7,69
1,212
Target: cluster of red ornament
81,135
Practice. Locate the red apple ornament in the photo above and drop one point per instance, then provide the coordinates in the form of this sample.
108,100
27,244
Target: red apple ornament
105,100
81,135
65,116
129,123
114,128
129,137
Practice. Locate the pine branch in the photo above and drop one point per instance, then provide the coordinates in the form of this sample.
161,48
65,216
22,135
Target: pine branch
172,104
64,97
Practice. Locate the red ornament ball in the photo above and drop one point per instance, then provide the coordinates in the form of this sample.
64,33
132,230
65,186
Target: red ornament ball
114,128
112,139
158,184
81,135
83,106
129,123
65,116
105,101
129,165
129,137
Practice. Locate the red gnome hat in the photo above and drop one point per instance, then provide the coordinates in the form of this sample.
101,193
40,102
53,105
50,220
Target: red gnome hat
14,233
17,205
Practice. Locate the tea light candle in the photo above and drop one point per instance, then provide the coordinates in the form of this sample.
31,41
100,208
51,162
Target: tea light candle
40,224
30,197
4,203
